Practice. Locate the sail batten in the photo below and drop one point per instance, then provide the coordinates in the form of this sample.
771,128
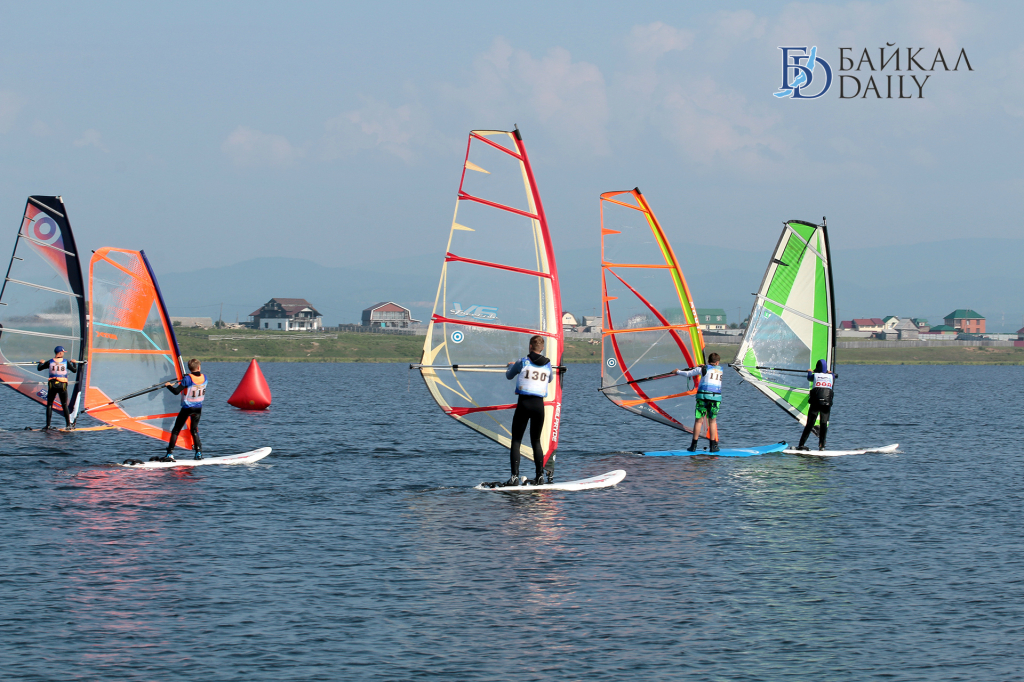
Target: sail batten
133,350
792,323
498,288
42,301
649,324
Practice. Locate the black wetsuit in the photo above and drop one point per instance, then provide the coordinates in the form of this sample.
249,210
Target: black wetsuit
530,408
820,406
193,415
57,389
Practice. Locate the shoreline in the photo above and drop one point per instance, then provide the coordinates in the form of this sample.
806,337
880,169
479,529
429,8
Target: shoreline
387,348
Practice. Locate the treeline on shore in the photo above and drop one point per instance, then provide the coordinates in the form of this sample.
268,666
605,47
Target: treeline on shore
239,345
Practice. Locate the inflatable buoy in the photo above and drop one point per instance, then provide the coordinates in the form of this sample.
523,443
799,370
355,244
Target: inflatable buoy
252,393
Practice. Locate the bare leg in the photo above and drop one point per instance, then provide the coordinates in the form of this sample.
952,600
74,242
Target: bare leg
713,429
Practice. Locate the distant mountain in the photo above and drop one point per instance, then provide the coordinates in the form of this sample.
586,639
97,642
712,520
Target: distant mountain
924,280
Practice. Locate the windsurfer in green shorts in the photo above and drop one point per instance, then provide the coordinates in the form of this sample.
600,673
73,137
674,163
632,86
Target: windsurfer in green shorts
709,399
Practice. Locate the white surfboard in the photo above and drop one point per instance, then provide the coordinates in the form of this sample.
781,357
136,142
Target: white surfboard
243,458
841,453
602,481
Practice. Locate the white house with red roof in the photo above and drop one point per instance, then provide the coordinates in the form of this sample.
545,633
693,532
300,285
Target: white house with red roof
286,315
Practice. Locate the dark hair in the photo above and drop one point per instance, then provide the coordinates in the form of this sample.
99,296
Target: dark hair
536,343
193,365
714,357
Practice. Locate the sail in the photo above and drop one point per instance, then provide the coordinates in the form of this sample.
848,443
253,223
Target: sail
42,302
132,347
792,324
498,288
649,320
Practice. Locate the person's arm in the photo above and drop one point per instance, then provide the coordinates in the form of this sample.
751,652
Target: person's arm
43,364
513,369
73,366
692,372
175,387
810,375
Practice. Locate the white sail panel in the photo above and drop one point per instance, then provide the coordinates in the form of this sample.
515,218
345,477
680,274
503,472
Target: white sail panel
42,302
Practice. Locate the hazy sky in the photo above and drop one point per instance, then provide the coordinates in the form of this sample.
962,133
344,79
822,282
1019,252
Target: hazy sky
210,133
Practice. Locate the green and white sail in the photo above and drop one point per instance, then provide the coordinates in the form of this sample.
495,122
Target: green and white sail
792,325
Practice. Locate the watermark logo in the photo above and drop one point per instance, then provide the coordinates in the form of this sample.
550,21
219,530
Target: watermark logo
479,312
457,336
799,66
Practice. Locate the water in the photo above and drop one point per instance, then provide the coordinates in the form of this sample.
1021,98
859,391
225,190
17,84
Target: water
358,550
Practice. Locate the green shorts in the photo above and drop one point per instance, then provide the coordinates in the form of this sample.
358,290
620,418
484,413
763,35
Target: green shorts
707,408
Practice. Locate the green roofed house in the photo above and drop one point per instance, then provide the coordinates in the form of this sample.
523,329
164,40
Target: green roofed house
711,318
966,320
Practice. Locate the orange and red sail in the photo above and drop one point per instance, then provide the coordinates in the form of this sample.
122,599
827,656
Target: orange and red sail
132,347
649,320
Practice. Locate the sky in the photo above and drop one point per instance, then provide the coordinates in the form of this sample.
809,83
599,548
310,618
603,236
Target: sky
212,133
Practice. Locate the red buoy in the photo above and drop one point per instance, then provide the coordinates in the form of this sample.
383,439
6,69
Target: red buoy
252,393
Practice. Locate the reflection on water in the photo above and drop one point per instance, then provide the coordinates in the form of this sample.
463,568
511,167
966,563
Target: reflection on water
359,550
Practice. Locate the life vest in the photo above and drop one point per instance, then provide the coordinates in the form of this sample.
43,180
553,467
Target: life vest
59,369
533,379
711,381
195,390
821,391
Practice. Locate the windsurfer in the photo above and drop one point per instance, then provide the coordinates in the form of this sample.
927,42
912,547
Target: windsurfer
820,406
532,374
194,387
709,399
57,386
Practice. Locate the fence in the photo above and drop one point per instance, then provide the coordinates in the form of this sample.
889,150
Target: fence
920,344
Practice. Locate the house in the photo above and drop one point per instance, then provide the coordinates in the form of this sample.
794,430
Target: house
966,320
922,324
711,318
941,331
1020,334
569,320
592,321
868,324
847,326
906,330
889,322
287,314
388,314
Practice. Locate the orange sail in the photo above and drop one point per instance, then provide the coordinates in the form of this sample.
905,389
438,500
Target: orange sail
132,348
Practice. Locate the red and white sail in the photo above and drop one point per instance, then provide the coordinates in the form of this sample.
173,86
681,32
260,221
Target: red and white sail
498,288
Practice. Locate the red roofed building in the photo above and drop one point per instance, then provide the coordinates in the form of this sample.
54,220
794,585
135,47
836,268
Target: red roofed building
388,314
869,324
287,314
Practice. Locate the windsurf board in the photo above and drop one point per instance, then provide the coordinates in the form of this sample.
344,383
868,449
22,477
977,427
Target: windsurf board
724,452
841,453
602,481
243,458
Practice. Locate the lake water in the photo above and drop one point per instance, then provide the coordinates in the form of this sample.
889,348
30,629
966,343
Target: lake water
359,551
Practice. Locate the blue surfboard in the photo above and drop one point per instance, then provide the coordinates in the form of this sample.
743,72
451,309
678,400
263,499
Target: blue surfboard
724,452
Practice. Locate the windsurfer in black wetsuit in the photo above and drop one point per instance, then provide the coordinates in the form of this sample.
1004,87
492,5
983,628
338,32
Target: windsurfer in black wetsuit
57,386
532,374
822,382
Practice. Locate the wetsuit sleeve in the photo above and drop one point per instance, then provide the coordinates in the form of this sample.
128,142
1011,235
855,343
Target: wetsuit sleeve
690,372
513,371
810,376
177,389
43,365
72,366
